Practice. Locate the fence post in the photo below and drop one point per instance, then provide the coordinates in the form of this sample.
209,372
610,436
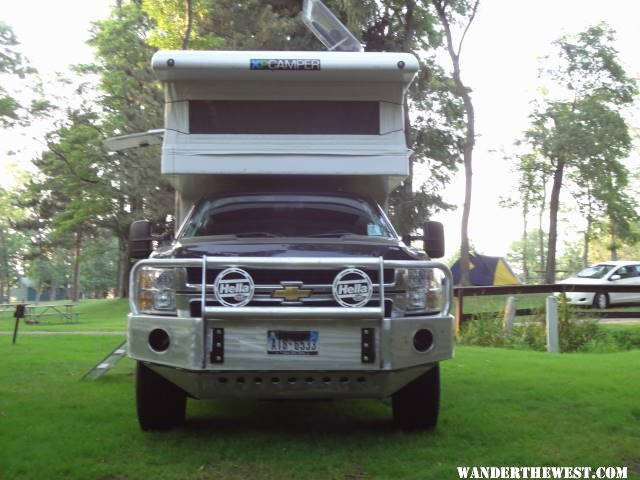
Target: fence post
553,335
459,312
509,315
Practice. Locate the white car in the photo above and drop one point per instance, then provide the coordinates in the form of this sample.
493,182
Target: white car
622,272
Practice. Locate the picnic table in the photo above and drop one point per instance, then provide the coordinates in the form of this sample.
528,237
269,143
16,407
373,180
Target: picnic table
36,312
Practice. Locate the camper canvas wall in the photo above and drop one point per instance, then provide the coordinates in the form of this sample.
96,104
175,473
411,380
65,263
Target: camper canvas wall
286,115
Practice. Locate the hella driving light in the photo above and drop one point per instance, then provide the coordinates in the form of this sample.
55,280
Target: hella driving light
156,290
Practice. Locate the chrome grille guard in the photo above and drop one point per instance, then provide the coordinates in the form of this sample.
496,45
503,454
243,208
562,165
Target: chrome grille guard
295,262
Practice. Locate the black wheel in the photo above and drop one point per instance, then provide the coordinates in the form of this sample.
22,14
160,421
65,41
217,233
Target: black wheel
417,404
160,403
601,300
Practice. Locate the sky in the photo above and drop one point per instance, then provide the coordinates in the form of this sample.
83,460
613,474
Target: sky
500,61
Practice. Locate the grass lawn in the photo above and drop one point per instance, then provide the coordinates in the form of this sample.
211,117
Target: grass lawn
94,315
500,408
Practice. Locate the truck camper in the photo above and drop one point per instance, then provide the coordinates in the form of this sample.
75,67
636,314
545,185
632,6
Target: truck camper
285,279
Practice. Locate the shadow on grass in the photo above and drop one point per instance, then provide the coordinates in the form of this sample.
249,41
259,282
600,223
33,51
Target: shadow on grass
289,417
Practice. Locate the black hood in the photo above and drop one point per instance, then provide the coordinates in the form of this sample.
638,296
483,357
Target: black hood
348,246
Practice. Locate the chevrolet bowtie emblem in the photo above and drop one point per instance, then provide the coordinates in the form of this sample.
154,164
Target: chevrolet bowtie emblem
291,293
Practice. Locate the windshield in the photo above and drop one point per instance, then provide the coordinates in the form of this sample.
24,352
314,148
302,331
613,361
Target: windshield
597,271
287,215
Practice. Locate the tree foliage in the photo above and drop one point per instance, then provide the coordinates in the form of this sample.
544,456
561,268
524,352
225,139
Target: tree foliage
12,64
132,102
580,129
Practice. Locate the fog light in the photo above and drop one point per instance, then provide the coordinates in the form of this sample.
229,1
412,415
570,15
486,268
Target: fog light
422,340
159,340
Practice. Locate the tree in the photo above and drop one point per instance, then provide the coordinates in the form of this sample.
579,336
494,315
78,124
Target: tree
13,243
69,195
531,197
100,266
522,255
461,12
132,102
604,203
584,123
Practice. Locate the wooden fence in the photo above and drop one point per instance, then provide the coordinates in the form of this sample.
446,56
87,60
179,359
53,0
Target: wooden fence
461,292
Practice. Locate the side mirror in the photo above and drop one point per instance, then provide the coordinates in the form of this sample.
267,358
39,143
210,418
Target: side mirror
140,239
433,238
613,278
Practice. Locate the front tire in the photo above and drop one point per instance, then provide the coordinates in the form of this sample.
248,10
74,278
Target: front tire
416,405
160,404
601,300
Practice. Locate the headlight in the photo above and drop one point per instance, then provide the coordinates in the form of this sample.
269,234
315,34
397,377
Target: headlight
156,292
423,291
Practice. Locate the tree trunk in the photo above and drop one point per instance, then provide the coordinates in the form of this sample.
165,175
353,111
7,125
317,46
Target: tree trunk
75,289
463,92
525,242
543,205
587,240
585,249
468,177
187,34
52,291
405,216
5,274
124,267
554,206
614,247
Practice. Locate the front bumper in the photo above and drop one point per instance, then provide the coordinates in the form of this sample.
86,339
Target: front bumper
248,370
580,298
361,352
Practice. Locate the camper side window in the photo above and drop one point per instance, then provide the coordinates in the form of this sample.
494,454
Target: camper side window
289,117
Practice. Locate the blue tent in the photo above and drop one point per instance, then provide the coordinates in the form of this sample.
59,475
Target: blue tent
484,270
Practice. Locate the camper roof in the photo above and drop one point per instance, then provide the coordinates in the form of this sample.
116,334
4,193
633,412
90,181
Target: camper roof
175,65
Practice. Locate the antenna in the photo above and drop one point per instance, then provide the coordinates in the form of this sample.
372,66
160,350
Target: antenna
328,29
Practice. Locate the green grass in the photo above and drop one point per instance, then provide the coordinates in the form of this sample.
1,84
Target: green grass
500,407
94,315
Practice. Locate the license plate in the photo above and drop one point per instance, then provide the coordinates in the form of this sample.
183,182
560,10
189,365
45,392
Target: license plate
288,342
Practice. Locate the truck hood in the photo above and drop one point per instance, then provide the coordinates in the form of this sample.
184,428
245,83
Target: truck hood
347,246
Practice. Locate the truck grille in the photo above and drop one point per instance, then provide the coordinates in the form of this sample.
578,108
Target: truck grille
268,281
274,277
195,305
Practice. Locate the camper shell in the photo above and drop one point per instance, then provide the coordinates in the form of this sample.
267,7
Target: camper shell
328,118
314,310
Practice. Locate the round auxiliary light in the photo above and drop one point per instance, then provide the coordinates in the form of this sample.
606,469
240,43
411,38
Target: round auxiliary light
423,340
233,287
352,288
159,340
